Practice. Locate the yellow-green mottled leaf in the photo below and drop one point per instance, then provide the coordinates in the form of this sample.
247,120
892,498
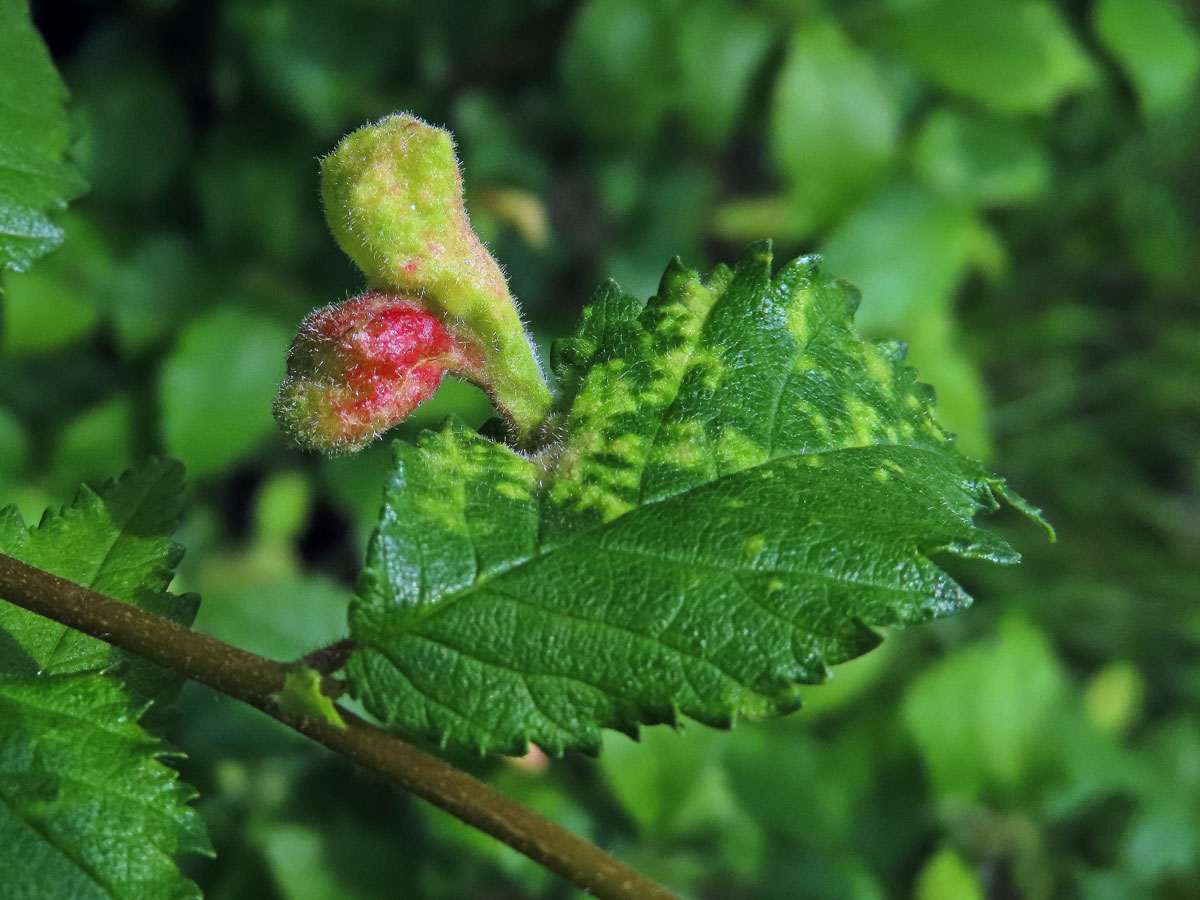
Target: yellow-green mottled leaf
745,490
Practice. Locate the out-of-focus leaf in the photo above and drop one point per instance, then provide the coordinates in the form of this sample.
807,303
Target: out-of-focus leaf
667,214
829,808
35,179
1158,232
253,197
144,290
283,505
297,857
1115,697
988,161
1163,835
997,723
137,136
493,146
948,877
264,606
1157,46
908,250
97,442
748,218
323,63
833,876
14,452
834,123
982,718
617,69
217,387
153,288
675,786
55,305
720,47
850,682
520,210
1018,56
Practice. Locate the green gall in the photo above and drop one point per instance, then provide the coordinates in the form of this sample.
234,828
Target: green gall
393,199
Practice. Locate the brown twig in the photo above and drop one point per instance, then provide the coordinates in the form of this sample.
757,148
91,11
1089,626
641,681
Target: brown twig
253,679
330,659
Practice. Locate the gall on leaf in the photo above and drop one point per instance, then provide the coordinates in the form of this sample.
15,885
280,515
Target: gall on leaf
393,196
359,367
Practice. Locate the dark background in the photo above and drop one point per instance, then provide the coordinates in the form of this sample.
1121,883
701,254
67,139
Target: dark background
1014,184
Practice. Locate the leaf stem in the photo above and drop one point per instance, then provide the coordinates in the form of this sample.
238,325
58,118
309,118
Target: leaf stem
329,659
252,679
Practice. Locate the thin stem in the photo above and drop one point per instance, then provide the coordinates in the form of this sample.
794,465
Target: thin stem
330,659
253,679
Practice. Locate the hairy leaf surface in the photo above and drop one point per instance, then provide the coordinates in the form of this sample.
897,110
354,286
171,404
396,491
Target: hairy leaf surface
87,808
34,135
745,490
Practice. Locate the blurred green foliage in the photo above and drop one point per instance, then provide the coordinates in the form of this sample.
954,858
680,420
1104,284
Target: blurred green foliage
1012,183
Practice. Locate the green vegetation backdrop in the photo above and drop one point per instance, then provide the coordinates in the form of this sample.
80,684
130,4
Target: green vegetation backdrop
1015,186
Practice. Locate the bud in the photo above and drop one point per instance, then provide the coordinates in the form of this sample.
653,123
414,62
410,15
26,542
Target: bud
359,367
393,199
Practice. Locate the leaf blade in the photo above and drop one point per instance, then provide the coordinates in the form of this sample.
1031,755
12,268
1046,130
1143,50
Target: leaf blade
88,809
116,541
34,136
684,554
84,778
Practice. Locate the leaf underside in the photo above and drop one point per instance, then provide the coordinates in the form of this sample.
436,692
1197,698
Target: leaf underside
746,490
34,136
87,807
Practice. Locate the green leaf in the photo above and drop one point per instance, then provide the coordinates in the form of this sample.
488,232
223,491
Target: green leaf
987,161
998,723
1015,57
14,450
34,135
52,306
675,787
947,876
116,541
1157,46
834,123
745,488
628,64
217,387
617,68
721,47
910,249
87,808
137,138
